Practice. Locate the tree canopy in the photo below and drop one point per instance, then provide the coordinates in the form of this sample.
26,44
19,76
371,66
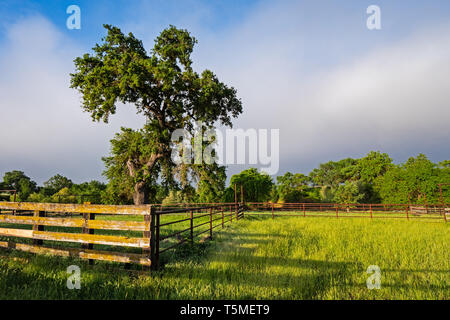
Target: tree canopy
163,87
18,181
257,186
56,183
291,187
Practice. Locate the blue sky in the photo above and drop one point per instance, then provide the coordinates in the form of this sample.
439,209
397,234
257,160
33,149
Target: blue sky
213,15
310,68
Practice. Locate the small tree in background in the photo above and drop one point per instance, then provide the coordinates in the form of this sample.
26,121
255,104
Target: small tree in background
257,186
373,165
211,183
412,181
56,183
17,180
348,193
291,187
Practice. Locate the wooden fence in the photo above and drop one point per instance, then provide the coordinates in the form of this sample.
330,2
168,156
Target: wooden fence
356,210
103,226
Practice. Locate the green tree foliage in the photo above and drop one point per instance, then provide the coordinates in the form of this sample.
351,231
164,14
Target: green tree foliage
257,186
291,187
127,169
56,183
414,181
92,191
164,88
333,173
174,197
17,180
64,196
348,193
374,178
4,196
63,190
444,177
371,179
211,183
208,177
373,165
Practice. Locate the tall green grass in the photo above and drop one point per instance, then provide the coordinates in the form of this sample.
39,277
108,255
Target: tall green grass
261,258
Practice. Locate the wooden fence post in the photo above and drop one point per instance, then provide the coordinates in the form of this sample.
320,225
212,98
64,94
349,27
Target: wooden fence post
409,204
192,227
237,211
158,223
304,211
442,202
337,210
210,223
221,210
153,253
14,200
445,215
407,212
37,227
370,207
273,216
85,229
148,237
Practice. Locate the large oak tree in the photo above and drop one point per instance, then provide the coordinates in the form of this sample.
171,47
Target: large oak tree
164,88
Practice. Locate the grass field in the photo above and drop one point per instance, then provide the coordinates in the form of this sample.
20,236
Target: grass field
261,258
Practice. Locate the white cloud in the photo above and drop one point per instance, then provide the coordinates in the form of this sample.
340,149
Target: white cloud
393,96
43,130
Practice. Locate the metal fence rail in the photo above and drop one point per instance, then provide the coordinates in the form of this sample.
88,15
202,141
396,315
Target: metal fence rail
199,220
355,210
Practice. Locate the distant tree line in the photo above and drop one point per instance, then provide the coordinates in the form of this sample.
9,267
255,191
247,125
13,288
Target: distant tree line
371,179
56,189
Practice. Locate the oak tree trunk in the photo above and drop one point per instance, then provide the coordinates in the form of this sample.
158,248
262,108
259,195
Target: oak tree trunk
140,194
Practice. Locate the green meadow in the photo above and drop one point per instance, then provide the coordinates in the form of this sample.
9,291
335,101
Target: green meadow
260,258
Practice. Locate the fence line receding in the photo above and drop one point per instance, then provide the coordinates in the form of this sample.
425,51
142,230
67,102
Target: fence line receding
357,210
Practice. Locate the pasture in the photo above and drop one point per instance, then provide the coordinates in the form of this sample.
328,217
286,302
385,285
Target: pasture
260,258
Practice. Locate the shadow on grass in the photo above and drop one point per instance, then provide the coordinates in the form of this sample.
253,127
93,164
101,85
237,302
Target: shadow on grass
236,264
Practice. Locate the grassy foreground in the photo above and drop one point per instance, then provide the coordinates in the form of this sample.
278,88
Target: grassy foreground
261,258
